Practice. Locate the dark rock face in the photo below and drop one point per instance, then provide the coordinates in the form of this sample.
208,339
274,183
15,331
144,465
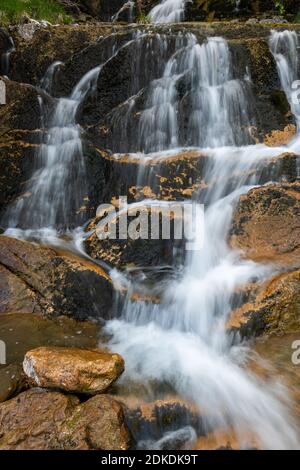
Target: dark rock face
20,133
33,56
200,10
38,419
37,280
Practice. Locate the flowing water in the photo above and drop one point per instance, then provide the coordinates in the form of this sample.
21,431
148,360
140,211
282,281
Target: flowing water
168,11
5,57
182,342
284,46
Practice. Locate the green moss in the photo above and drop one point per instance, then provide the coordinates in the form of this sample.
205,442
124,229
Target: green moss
11,11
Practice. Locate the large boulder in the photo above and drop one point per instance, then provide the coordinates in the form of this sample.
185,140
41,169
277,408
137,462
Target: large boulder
266,224
36,279
73,370
43,420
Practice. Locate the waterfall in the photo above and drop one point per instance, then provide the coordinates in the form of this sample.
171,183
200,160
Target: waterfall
218,107
183,340
168,11
284,47
129,7
56,189
5,57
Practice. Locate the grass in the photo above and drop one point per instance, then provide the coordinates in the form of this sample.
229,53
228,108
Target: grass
11,11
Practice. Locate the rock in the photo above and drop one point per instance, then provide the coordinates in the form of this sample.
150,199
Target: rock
12,381
266,224
96,424
275,308
43,420
150,421
56,43
36,279
277,138
138,249
73,370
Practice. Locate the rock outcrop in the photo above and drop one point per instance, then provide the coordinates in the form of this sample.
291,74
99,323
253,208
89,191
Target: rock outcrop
36,279
73,370
274,310
266,224
39,419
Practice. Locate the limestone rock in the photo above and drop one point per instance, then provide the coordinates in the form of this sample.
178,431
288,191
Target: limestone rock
73,370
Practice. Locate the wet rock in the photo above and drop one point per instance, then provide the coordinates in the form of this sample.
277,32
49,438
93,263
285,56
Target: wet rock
277,138
96,424
20,136
57,43
138,247
44,420
37,280
12,381
164,424
274,310
73,370
266,224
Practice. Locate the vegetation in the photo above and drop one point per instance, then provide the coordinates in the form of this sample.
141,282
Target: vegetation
280,7
11,11
297,19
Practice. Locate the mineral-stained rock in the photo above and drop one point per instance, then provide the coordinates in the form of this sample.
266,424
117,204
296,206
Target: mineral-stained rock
37,280
266,224
39,419
73,370
275,309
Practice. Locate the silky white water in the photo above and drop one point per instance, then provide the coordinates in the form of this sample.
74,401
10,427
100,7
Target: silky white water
183,341
284,46
168,11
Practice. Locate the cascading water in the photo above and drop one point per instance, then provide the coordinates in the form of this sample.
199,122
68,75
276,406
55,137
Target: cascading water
168,11
183,340
219,113
4,59
53,192
284,46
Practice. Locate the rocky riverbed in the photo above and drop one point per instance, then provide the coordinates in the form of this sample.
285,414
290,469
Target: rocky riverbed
105,342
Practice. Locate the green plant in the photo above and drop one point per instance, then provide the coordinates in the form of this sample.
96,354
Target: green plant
279,6
11,11
297,19
143,18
